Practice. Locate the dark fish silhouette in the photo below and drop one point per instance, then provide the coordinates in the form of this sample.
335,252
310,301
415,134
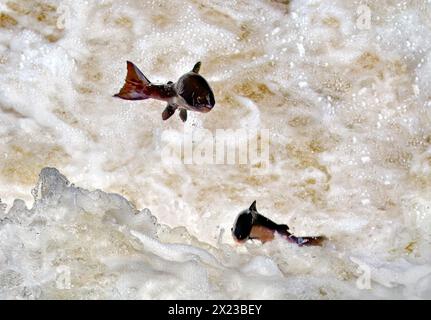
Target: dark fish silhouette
190,93
251,225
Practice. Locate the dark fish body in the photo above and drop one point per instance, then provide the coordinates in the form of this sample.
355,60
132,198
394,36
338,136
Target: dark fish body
190,93
251,225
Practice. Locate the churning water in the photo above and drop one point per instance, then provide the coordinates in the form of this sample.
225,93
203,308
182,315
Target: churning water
342,87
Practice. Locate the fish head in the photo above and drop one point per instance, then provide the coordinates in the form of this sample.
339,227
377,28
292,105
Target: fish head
205,103
242,227
196,92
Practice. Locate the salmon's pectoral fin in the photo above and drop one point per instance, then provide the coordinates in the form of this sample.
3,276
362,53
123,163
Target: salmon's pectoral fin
135,84
183,115
168,112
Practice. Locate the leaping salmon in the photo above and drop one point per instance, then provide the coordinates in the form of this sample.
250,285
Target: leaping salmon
190,93
251,225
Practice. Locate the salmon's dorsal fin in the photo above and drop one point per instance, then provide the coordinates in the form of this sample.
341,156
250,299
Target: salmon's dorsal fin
283,227
183,115
197,67
168,112
253,206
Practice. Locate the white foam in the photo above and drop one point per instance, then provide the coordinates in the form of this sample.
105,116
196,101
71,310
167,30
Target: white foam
348,114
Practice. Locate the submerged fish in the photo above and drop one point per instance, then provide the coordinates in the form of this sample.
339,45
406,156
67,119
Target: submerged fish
251,225
190,93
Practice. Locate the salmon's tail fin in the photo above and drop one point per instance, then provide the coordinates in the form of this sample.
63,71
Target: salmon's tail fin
135,85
